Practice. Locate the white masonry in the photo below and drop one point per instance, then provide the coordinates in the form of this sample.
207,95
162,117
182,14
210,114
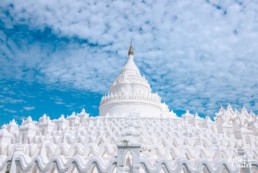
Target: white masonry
134,133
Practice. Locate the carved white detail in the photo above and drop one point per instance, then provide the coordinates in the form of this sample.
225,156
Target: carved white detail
134,141
131,91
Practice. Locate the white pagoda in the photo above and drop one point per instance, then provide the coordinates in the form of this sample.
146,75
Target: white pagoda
132,92
135,133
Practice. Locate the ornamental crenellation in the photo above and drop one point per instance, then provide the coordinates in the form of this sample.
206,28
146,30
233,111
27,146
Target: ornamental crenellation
134,133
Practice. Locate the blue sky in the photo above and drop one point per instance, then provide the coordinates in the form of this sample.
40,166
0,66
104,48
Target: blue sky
58,57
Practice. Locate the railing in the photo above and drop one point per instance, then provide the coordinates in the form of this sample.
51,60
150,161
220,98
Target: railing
96,164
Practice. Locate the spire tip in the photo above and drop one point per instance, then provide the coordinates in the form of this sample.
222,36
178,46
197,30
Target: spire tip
130,51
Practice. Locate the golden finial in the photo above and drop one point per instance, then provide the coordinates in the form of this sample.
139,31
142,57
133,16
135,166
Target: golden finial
130,51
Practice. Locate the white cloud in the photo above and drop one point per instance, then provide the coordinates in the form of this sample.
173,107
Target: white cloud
28,108
17,117
10,110
9,100
200,54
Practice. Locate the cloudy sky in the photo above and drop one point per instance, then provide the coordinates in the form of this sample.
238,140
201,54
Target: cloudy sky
61,56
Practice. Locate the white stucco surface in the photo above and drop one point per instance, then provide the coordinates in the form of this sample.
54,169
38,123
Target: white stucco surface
134,133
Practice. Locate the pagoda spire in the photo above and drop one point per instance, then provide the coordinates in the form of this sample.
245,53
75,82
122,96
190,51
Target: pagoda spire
130,51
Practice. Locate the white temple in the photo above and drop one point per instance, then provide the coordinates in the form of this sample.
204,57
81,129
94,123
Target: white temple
132,92
135,133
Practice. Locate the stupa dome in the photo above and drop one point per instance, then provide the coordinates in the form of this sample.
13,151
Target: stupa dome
131,92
